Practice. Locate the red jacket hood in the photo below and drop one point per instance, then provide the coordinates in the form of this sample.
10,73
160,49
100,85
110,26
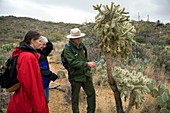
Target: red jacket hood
18,51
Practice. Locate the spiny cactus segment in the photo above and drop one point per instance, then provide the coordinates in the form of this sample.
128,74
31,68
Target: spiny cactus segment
131,85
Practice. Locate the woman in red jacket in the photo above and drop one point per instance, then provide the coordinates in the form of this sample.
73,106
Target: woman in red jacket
29,98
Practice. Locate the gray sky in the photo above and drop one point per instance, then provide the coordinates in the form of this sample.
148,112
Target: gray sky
79,11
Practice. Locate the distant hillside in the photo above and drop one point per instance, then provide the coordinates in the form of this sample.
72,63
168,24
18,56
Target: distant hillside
16,27
151,32
12,28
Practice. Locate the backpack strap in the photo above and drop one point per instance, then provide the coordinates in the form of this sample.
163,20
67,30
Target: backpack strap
85,50
74,52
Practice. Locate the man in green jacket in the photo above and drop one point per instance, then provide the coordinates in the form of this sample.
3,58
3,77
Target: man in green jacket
79,71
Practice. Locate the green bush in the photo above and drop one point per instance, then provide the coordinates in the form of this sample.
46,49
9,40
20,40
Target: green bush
55,36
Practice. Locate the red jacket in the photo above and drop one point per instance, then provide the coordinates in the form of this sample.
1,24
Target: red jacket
30,97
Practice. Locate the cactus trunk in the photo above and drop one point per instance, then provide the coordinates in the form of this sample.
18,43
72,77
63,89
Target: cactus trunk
112,83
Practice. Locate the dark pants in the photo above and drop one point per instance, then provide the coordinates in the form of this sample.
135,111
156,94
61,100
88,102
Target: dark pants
90,92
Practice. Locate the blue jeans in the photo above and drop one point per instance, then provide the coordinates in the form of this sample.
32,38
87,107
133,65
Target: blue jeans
46,92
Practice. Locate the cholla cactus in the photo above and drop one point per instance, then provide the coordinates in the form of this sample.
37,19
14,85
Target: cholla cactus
116,35
131,85
114,29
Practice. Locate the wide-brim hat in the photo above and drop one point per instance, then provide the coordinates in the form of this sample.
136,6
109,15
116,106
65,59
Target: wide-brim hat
75,33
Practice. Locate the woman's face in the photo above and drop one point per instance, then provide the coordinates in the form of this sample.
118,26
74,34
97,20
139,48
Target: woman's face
36,44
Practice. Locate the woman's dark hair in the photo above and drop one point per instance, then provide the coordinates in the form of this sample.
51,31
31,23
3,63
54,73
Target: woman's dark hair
29,36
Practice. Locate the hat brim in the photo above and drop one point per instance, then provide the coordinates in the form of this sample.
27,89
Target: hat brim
79,36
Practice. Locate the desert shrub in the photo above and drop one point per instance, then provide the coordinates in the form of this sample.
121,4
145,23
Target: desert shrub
167,66
140,39
141,51
5,52
55,36
161,93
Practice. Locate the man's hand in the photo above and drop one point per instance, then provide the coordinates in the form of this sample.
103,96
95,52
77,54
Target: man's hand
91,64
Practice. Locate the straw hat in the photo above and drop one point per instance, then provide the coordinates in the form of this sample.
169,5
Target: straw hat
75,33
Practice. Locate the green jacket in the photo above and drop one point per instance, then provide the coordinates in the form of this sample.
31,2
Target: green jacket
78,68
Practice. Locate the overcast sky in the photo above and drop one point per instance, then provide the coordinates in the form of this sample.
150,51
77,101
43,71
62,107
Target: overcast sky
79,11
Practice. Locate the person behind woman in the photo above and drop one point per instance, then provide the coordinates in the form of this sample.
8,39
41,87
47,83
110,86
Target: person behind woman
47,75
29,98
